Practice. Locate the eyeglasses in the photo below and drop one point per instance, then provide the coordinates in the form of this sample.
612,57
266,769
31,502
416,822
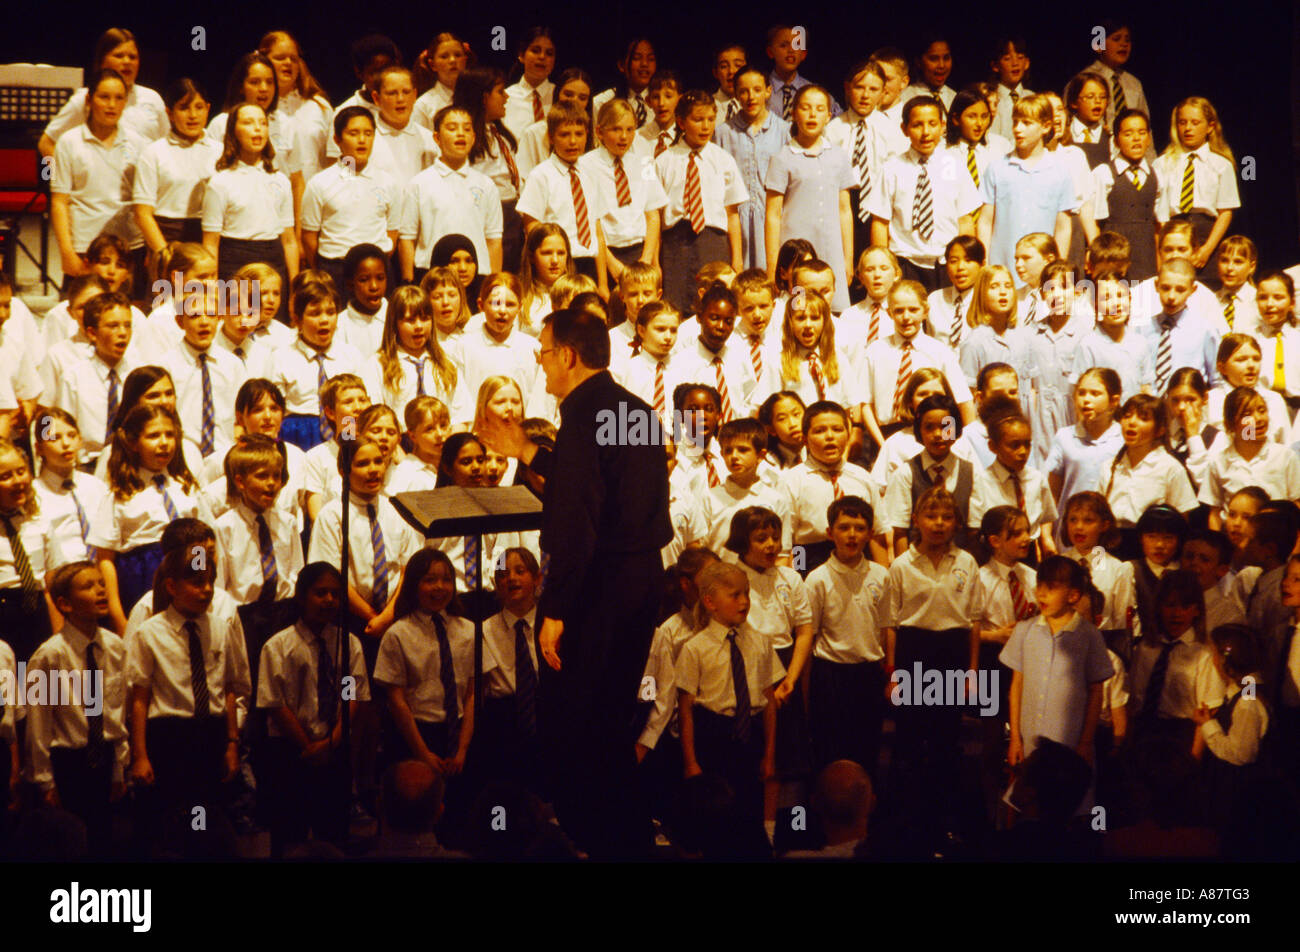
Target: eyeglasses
544,350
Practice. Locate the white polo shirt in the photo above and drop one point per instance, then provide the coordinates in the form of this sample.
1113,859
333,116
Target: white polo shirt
402,153
347,208
97,177
145,114
548,197
246,202
172,174
444,201
721,185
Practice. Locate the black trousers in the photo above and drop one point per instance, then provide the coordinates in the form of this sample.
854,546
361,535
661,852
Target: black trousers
931,278
186,756
303,796
718,751
587,711
84,781
681,254
926,744
846,705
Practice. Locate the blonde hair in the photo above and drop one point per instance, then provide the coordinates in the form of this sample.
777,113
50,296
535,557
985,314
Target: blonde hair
408,300
712,577
567,287
791,363
32,505
488,389
439,277
979,314
1041,242
1037,108
614,110
533,288
914,288
1218,144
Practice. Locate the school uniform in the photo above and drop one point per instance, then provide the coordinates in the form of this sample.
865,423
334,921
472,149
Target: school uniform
429,102
170,177
374,528
931,609
888,124
899,447
363,331
247,565
445,201
419,377
1279,426
997,485
814,382
812,487
1279,372
145,114
402,153
548,196
32,545
686,512
480,356
1114,579
859,326
298,669
983,345
347,207
1202,304
202,404
721,503
1190,681
254,356
1093,141
847,676
507,724
1241,312
1026,197
300,372
727,744
133,529
97,176
534,146
1008,96
86,387
250,209
953,196
651,379
411,657
884,381
1057,669
282,132
526,104
948,308
752,146
412,475
1125,203
728,369
906,484
639,101
72,500
994,601
1214,186
783,92
1275,469
683,251
1134,97
1131,357
810,181
1220,607
1078,459
1131,490
313,126
80,750
624,225
1051,357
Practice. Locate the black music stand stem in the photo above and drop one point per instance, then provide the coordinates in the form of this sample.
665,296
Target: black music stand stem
471,511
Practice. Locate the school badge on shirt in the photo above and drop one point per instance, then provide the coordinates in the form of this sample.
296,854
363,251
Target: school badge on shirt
961,577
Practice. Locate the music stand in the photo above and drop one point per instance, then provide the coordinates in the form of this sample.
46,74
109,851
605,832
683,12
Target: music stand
465,511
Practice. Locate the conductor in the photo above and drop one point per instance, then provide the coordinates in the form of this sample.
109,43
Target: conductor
605,520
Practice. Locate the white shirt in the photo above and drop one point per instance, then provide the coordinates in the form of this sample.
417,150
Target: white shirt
48,544
171,175
459,401
254,355
1214,182
888,124
844,390
479,356
64,726
57,504
1275,469
720,183
533,148
883,359
520,111
145,114
240,564
289,502
994,487
402,153
703,669
499,637
1159,478
547,196
919,595
720,503
158,657
1114,579
946,305
400,541
297,372
348,208
99,179
952,196
844,600
428,104
812,491
225,375
994,606
444,201
81,386
248,203
1103,180
409,658
695,364
626,224
1190,680
313,124
898,484
123,525
778,603
283,133
288,674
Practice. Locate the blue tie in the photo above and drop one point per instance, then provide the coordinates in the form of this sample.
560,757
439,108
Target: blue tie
419,376
447,675
270,574
112,404
70,486
161,481
379,590
471,561
205,435
326,431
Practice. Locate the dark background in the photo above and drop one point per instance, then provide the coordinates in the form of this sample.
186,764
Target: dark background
1240,54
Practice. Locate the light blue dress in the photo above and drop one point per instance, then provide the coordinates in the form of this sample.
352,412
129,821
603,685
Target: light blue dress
753,147
812,185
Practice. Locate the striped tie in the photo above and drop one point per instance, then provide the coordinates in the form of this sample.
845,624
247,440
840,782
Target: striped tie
904,372
113,400
958,324
198,672
621,186
787,101
418,367
660,399
580,208
326,431
713,471
1019,602
756,354
379,586
863,169
873,329
694,203
168,506
1117,94
971,167
836,491
922,205
504,148
538,113
27,582
1230,310
1189,185
733,107
1164,354
1135,170
1279,365
206,445
1019,491
447,677
270,574
815,368
471,562
71,489
722,389
661,143
638,107
1015,96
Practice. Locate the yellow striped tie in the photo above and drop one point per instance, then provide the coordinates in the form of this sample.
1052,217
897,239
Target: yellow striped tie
1230,311
1189,180
1279,365
970,165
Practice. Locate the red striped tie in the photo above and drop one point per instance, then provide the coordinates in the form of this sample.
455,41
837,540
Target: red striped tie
835,484
756,354
538,113
694,204
1020,492
504,148
661,144
815,368
873,331
580,208
713,473
620,183
1018,601
722,390
904,371
660,403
